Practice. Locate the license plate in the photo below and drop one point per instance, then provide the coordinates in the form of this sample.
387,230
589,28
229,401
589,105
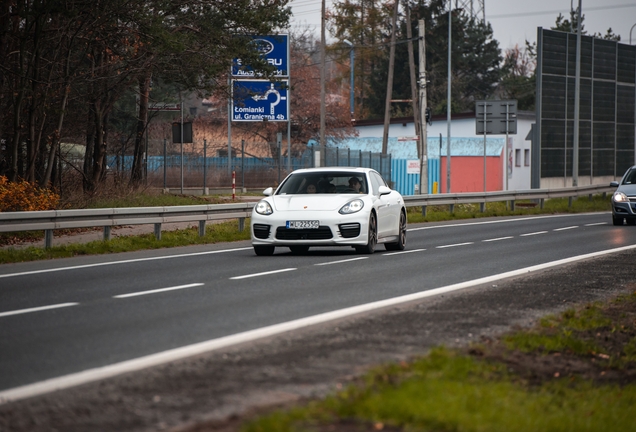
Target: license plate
312,224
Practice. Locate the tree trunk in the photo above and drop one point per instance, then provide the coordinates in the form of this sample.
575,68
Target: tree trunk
57,133
91,134
55,142
99,156
136,176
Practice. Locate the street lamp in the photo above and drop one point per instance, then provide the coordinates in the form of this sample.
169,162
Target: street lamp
630,34
352,64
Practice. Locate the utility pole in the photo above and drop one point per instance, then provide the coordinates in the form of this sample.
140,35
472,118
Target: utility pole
389,84
423,135
448,103
322,76
577,97
414,99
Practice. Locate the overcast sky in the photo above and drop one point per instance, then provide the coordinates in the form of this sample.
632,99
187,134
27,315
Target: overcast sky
515,21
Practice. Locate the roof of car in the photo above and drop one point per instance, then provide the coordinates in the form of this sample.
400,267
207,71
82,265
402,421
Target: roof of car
333,169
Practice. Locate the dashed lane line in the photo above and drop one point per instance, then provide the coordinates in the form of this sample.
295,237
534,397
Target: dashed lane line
262,274
403,252
498,239
36,309
159,290
341,261
454,245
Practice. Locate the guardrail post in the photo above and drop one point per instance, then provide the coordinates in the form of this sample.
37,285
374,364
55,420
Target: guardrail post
48,238
451,208
106,233
482,207
590,197
423,210
158,231
512,205
201,228
241,224
542,204
570,202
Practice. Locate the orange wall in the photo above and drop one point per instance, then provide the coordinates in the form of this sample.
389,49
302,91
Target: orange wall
467,174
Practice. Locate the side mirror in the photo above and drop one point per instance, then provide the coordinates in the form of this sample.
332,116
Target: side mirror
268,192
384,190
614,184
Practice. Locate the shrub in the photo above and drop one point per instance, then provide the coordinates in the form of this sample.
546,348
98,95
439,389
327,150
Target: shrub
25,196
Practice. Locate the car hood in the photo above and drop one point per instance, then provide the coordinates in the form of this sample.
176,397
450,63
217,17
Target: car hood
318,202
629,189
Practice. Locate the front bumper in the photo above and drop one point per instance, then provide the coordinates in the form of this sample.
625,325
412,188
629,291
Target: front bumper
625,209
334,230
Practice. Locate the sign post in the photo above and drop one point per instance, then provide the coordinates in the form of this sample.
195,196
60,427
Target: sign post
255,99
496,117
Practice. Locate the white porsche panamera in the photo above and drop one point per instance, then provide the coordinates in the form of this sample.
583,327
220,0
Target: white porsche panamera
334,206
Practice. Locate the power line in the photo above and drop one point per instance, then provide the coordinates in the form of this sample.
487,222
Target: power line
552,12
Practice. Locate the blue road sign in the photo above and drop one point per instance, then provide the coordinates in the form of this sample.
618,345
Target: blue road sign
259,100
275,48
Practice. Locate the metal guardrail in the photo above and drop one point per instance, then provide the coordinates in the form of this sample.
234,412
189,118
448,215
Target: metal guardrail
500,196
107,218
51,220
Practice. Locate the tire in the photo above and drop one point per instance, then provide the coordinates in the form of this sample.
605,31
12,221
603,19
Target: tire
264,250
617,220
401,243
299,250
373,237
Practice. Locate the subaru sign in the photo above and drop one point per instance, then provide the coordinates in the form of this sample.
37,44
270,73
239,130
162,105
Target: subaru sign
274,48
260,100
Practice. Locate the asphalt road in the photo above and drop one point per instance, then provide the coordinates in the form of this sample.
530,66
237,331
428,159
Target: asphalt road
117,308
63,317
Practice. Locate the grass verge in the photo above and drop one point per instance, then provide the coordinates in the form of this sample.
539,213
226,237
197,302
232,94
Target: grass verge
469,211
216,233
574,371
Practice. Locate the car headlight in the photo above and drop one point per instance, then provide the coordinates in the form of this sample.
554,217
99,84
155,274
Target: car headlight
619,197
263,208
352,207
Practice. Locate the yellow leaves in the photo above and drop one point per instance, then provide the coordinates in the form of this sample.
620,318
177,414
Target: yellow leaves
25,196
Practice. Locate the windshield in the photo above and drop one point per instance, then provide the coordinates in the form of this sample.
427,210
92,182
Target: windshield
630,177
324,182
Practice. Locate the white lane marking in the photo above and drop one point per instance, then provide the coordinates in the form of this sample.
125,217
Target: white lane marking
566,228
36,309
137,364
595,224
533,233
497,239
120,262
159,290
521,219
403,252
262,274
341,261
453,245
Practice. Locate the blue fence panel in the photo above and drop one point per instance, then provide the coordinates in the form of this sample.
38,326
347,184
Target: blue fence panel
405,183
196,163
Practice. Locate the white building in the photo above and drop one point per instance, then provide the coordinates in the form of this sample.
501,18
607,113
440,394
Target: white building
464,126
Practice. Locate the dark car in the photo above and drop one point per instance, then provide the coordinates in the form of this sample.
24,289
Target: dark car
624,199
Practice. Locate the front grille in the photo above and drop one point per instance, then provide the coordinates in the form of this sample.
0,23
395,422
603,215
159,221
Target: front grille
261,231
322,233
349,230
